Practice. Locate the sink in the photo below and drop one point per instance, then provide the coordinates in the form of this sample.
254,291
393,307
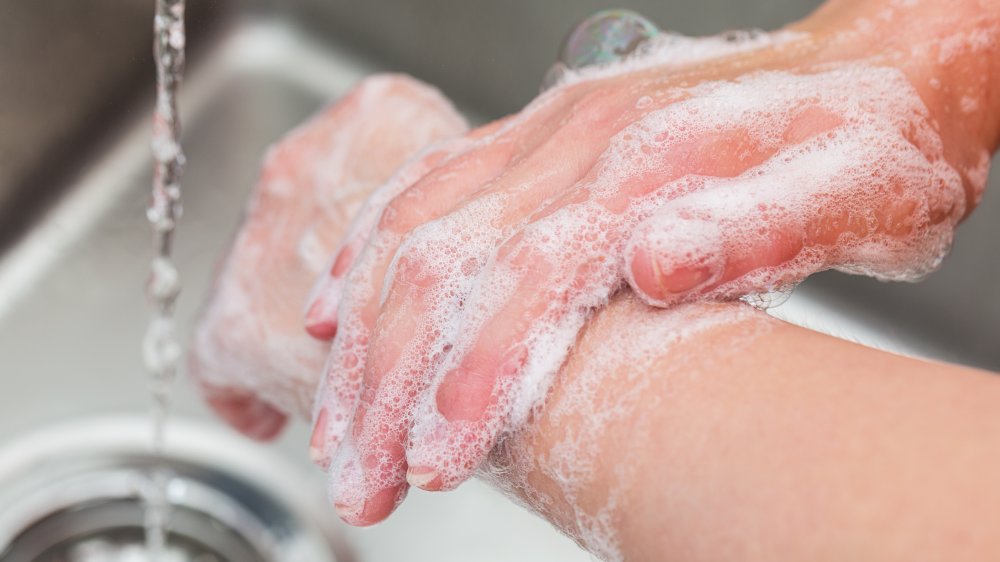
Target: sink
72,311
224,502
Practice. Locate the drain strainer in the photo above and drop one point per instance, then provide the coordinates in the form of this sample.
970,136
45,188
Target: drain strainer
79,492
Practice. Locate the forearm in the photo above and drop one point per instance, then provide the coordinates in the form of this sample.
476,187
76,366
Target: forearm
754,439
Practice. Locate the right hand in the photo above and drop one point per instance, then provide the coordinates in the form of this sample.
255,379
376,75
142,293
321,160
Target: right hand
250,355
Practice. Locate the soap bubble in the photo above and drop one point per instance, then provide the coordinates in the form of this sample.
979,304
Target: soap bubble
605,37
742,35
770,299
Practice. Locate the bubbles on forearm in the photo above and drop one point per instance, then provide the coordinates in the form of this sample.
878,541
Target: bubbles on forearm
613,42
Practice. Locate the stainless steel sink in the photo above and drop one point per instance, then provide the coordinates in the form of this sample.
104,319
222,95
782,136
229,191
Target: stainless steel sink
76,243
78,492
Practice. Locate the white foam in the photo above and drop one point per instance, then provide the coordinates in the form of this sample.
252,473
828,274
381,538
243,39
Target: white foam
881,114
671,50
877,147
590,486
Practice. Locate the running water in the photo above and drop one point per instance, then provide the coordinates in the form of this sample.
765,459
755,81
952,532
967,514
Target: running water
161,350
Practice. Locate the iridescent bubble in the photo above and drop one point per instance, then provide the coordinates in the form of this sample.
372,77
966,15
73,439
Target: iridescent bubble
605,37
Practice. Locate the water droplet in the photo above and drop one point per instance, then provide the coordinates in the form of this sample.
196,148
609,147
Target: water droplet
164,284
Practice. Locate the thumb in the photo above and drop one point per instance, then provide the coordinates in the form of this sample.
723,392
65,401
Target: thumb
771,230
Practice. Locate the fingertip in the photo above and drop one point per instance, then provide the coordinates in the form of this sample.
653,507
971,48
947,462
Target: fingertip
318,441
248,414
349,512
442,455
320,321
425,478
268,429
683,279
374,509
322,306
463,395
664,286
322,330
644,274
671,258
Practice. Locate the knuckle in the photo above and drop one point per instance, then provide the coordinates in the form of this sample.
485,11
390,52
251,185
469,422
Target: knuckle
596,106
410,261
525,249
403,212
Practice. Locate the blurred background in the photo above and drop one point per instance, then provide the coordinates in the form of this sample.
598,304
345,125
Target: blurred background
76,84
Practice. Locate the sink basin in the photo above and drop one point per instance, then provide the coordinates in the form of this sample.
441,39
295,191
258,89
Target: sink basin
77,492
72,311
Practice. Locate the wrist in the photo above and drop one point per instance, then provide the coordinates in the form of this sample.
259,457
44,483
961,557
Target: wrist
949,50
586,461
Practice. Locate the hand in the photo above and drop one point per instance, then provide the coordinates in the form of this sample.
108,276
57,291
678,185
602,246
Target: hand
742,172
250,355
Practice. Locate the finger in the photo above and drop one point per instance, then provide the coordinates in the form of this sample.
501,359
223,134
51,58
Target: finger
465,238
323,302
352,501
218,352
443,189
392,381
522,343
322,305
249,339
855,204
410,115
343,381
459,422
477,228
474,399
432,196
246,412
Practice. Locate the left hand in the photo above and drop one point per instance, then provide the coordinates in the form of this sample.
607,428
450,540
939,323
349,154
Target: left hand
250,356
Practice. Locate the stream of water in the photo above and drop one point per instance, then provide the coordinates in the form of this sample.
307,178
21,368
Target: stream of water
161,350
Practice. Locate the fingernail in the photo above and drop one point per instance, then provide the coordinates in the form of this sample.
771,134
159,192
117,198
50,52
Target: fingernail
317,442
266,425
374,508
349,512
342,262
424,477
684,279
320,324
250,415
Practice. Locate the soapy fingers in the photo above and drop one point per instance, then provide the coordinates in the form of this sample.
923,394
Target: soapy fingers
249,353
880,207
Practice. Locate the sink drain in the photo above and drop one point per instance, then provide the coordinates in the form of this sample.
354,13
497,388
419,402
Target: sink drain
77,493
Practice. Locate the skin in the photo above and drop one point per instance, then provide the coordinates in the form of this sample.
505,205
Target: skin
543,161
788,445
257,370
777,386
